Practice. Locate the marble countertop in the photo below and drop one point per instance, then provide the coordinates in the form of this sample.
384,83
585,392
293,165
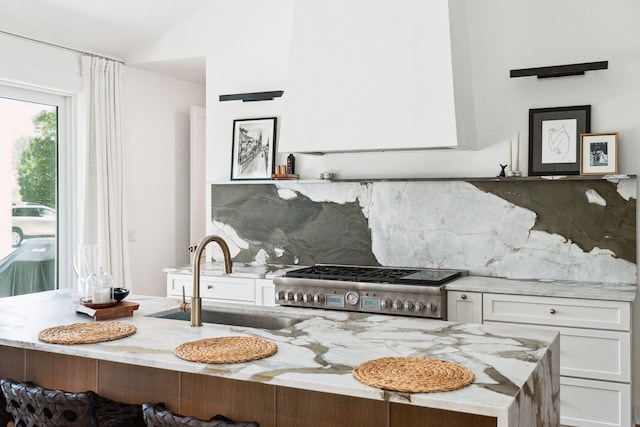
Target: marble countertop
560,289
547,288
513,366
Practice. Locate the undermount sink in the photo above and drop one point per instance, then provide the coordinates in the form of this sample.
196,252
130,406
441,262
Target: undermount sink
261,321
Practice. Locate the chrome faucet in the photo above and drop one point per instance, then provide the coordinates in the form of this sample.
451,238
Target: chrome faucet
196,302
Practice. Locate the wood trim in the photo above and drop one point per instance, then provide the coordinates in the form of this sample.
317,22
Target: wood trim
60,371
12,363
297,408
403,415
205,396
138,384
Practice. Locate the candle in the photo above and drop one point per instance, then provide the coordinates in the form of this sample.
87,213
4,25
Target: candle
518,152
510,155
101,295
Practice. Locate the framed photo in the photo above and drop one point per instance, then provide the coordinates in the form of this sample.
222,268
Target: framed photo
254,148
599,153
554,139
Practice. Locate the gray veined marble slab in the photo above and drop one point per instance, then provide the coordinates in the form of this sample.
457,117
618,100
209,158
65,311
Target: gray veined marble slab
572,230
517,370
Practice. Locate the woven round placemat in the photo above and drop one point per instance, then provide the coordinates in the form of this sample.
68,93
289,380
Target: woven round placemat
413,374
226,350
86,333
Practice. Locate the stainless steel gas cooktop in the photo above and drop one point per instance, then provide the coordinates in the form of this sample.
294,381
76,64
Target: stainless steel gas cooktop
389,290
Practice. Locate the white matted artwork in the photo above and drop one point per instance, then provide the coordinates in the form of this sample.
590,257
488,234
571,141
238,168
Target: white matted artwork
253,150
559,141
599,153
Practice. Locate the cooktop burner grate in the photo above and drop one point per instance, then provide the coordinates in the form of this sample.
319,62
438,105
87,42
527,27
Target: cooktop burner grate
375,274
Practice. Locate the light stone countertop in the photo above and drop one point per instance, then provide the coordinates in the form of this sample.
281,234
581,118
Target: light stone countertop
547,288
516,369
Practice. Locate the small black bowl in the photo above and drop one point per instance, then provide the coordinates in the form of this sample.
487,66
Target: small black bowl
120,293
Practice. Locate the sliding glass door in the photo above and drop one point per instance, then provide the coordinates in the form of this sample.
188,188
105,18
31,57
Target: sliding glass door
29,192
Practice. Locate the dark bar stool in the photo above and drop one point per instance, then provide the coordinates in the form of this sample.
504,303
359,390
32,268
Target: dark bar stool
34,406
156,416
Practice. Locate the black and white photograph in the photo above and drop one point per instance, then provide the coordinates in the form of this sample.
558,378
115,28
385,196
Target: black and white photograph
554,139
253,151
599,154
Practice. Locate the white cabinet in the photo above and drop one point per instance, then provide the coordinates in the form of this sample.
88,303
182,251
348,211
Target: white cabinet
224,289
588,403
213,288
265,292
579,313
464,307
595,352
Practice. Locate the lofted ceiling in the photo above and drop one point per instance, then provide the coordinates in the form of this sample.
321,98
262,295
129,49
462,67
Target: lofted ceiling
111,28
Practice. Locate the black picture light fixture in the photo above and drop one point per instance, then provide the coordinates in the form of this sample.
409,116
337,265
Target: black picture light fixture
252,96
560,70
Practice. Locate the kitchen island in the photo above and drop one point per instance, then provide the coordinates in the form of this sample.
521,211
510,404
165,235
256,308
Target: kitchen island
308,382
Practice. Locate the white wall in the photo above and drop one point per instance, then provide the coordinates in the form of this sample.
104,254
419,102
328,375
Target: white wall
157,171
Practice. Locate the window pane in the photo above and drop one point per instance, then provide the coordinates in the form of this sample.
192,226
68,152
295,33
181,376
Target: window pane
28,164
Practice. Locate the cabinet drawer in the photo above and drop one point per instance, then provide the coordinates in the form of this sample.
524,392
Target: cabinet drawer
592,353
217,288
581,313
228,288
588,403
175,283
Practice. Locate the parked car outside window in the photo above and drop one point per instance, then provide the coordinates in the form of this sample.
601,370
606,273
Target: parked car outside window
32,220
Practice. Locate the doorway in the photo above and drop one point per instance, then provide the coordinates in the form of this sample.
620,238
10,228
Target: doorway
29,193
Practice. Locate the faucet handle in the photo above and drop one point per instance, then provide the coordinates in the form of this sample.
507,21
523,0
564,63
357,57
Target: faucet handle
185,306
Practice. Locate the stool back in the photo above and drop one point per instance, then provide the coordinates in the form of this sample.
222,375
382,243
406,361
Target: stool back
34,406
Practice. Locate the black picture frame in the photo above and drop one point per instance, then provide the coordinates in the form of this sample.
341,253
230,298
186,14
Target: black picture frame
554,139
253,149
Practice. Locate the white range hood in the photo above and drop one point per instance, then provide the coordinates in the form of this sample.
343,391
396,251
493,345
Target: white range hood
376,76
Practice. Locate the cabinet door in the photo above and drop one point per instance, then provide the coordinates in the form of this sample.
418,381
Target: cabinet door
465,307
579,313
265,292
592,353
588,403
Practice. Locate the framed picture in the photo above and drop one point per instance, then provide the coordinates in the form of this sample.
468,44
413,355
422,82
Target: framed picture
554,139
599,153
254,148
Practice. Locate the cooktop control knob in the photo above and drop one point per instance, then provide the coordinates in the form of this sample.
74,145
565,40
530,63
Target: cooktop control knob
352,298
386,303
419,306
280,295
318,298
288,296
408,305
297,297
432,306
398,305
307,298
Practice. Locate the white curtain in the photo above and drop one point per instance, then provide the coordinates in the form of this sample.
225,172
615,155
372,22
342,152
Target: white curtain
102,194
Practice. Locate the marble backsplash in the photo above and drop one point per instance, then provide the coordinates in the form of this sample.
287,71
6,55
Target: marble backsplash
571,229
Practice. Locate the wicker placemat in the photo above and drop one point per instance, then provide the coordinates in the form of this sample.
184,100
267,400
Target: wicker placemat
86,333
413,374
226,350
